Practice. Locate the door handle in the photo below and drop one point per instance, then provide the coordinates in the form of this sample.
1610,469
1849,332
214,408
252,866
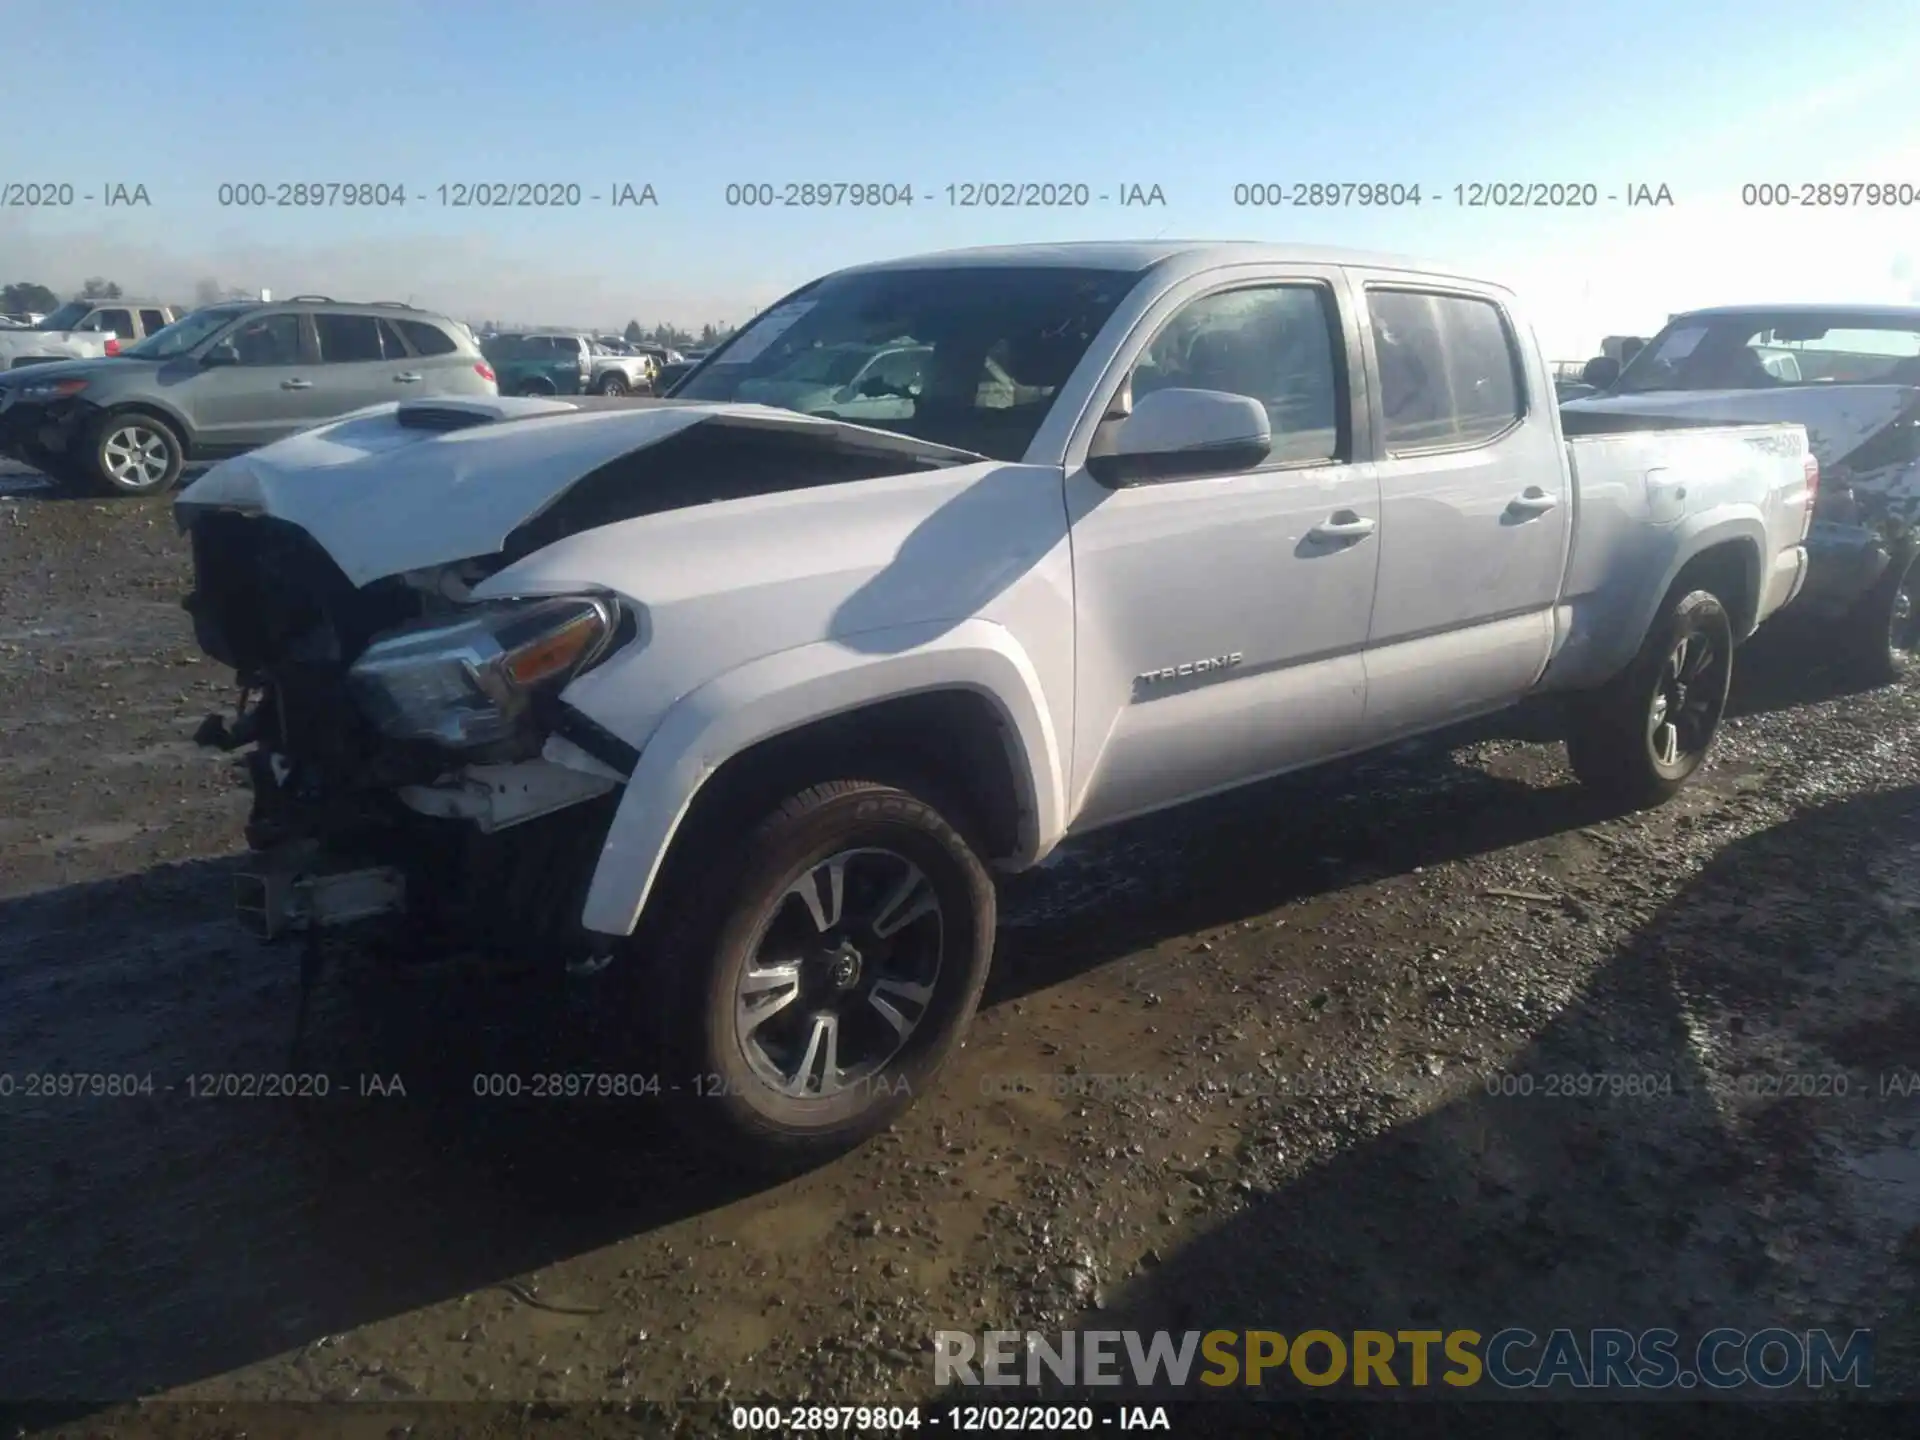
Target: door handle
296,384
406,377
1343,525
1532,501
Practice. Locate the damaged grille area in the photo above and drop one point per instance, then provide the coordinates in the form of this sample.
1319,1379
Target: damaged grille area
270,603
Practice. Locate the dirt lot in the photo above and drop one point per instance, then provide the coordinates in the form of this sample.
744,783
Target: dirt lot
1289,1015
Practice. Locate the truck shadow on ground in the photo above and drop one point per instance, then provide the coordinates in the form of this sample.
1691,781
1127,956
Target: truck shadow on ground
159,1238
1712,1204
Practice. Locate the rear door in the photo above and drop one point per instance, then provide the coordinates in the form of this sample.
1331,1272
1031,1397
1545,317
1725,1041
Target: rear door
355,370
152,320
1474,505
267,390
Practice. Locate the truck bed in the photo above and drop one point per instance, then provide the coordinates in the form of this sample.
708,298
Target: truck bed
1678,478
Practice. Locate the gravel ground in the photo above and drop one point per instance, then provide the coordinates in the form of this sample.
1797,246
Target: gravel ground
1288,1015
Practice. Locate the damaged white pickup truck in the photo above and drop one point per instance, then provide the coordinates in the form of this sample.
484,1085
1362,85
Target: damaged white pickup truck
743,704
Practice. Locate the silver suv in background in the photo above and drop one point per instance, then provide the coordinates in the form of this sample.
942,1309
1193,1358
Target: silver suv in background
226,379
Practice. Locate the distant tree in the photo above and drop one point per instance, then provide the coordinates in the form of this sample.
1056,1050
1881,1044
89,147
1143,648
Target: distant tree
26,296
709,336
208,292
633,332
98,287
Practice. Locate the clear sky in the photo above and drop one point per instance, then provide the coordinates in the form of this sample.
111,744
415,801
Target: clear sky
1194,97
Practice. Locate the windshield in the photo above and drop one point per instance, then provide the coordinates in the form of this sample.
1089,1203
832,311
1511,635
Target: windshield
183,335
67,316
1759,351
996,344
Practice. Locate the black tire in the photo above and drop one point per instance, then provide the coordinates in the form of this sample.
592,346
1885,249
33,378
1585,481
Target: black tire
1883,630
1637,740
536,388
719,1073
130,452
611,383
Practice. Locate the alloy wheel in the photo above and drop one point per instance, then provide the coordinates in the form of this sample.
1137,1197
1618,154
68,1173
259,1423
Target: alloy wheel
1686,700
135,456
842,975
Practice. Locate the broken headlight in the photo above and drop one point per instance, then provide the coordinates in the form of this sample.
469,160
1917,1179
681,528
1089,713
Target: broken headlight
471,682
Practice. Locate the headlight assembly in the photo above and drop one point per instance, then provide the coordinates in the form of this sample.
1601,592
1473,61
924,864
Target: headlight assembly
470,682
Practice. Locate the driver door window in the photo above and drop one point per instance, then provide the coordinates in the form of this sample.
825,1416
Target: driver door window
1273,343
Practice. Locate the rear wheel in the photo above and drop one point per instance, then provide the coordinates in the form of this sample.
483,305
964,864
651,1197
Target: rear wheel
1638,739
612,383
130,453
1883,631
816,988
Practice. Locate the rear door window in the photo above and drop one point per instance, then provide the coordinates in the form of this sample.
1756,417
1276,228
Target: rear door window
391,345
347,339
152,320
1449,369
427,339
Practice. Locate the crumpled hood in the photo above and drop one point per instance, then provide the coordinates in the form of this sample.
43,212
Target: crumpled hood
408,486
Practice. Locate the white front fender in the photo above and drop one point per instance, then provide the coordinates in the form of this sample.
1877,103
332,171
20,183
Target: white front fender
782,692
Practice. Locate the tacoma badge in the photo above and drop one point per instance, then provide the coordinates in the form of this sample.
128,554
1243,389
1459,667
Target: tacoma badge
1193,667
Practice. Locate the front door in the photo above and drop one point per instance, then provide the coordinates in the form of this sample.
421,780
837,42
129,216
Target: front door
268,388
1474,506
1221,619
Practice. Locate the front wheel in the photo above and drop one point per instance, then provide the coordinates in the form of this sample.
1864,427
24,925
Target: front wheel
1638,739
133,454
819,986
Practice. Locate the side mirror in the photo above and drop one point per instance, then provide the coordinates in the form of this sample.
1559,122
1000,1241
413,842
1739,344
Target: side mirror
1600,372
1173,434
222,354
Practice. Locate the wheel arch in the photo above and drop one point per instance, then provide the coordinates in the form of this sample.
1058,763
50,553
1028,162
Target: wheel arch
786,718
1725,555
153,410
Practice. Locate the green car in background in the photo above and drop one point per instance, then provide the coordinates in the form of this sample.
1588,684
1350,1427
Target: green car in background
540,363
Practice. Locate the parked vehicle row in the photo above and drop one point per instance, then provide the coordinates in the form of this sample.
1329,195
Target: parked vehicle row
564,362
223,380
1851,376
82,329
731,709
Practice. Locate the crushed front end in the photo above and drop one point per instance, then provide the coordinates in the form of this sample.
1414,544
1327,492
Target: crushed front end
409,754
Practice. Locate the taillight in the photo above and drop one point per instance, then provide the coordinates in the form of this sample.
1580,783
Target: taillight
113,345
1813,493
484,371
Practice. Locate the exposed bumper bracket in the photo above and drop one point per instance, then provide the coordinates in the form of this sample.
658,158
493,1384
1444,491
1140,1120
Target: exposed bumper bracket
275,901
